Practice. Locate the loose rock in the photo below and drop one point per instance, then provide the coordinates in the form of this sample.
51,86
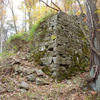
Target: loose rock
31,78
41,82
39,72
24,85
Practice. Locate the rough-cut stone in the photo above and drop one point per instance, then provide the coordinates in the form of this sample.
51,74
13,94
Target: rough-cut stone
47,38
2,89
10,88
19,69
46,60
63,61
22,90
30,70
41,82
60,60
62,42
24,85
55,74
39,72
42,48
17,60
31,78
57,60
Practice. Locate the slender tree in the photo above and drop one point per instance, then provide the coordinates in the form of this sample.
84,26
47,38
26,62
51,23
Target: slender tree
94,41
94,26
12,11
3,6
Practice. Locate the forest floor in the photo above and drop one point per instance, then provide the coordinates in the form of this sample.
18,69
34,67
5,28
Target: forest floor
71,89
68,89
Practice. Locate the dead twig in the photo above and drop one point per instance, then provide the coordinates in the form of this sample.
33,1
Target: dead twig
55,5
50,6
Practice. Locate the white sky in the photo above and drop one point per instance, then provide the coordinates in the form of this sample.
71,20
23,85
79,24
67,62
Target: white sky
17,12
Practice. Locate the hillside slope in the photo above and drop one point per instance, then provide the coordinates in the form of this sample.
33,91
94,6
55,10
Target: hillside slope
25,77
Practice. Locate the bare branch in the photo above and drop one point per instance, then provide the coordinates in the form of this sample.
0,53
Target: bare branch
49,6
55,5
80,6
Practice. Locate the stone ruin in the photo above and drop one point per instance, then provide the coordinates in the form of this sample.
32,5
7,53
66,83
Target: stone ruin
63,43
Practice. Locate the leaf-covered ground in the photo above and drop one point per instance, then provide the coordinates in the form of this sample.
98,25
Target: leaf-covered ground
68,89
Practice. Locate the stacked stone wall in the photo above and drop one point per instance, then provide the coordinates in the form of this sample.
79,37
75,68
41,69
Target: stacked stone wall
63,42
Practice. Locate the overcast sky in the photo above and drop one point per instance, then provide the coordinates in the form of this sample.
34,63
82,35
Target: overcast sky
17,12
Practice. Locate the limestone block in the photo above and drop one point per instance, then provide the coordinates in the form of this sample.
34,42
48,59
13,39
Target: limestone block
53,23
63,47
69,62
59,60
64,55
55,74
59,27
54,67
49,42
46,43
64,61
24,85
39,72
64,44
41,43
51,53
46,60
55,49
47,38
50,47
58,41
31,78
61,50
47,34
49,29
54,18
68,58
55,28
41,82
42,48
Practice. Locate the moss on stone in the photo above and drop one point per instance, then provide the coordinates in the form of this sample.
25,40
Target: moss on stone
37,55
47,71
61,75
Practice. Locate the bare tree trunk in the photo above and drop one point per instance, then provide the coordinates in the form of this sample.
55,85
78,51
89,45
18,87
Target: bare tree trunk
80,6
30,19
93,20
14,21
25,22
1,25
1,31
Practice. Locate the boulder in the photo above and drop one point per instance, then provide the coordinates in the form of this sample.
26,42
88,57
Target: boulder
30,71
2,89
46,60
41,82
22,90
24,85
59,60
31,78
39,72
10,88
